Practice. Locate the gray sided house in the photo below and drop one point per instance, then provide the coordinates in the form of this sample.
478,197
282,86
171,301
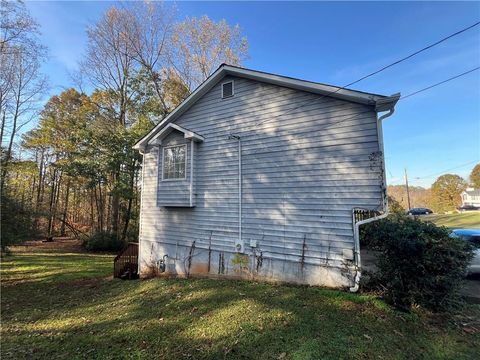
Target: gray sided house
261,176
471,197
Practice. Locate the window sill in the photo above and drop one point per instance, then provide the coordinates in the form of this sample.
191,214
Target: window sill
174,180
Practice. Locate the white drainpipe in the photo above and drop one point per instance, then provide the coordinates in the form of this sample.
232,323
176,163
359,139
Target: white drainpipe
239,244
192,150
240,194
356,228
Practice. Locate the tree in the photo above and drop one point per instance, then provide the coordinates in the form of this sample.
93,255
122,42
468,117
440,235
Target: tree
394,207
21,81
57,139
149,27
419,196
16,25
109,66
446,192
174,58
201,45
78,170
475,177
139,76
83,145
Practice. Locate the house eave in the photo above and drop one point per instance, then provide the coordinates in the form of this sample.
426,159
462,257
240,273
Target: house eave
387,103
379,102
156,139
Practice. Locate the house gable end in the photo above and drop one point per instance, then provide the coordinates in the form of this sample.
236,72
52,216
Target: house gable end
379,102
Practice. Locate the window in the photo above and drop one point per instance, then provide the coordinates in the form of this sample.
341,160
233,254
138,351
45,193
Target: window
174,162
227,89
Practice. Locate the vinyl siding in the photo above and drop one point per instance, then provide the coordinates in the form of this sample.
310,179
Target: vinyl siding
307,161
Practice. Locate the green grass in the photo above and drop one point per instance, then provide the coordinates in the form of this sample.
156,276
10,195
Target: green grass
66,306
463,220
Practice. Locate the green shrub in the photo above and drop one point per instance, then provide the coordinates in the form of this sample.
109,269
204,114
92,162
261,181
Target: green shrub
418,263
103,241
17,222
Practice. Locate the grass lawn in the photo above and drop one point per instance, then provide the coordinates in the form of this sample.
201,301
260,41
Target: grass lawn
64,304
454,221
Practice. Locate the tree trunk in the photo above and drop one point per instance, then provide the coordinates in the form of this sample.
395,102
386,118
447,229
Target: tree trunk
2,128
92,215
52,200
100,204
8,155
75,205
40,182
65,208
32,192
115,205
130,201
57,197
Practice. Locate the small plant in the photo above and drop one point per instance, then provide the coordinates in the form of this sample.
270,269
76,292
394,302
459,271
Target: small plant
103,241
418,262
240,262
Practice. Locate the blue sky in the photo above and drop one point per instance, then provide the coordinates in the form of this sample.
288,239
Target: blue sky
338,43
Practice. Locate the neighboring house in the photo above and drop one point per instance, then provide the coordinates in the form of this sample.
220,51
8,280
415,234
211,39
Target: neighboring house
471,197
258,176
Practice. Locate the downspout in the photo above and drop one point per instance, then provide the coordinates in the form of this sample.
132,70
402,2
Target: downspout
239,244
141,150
356,227
192,154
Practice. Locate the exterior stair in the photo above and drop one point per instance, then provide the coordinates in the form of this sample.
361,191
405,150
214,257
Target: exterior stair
125,264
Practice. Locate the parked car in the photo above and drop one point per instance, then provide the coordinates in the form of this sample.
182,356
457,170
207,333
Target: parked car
468,208
473,237
419,211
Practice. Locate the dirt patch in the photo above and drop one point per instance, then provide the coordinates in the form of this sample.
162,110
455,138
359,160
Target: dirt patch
351,306
199,268
59,244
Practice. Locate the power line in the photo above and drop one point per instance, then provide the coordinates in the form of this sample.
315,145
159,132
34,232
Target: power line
440,83
438,173
356,116
444,171
380,70
404,97
415,53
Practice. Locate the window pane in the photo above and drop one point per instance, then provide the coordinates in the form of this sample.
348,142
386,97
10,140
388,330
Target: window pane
176,171
181,170
174,162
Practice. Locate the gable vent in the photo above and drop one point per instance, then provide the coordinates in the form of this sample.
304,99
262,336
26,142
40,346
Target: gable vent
227,89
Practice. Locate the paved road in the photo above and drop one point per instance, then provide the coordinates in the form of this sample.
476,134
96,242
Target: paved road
472,289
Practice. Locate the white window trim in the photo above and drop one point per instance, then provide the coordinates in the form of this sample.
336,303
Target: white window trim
163,162
233,89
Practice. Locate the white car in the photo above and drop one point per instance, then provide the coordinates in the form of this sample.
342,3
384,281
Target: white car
473,237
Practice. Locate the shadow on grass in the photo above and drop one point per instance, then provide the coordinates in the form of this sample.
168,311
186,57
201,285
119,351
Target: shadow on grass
203,319
52,267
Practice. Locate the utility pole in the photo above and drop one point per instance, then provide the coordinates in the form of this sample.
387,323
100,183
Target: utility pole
406,187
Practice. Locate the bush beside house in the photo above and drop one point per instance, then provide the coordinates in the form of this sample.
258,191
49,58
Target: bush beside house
103,241
418,263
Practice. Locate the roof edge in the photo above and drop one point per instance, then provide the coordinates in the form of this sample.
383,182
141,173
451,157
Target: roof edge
380,102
